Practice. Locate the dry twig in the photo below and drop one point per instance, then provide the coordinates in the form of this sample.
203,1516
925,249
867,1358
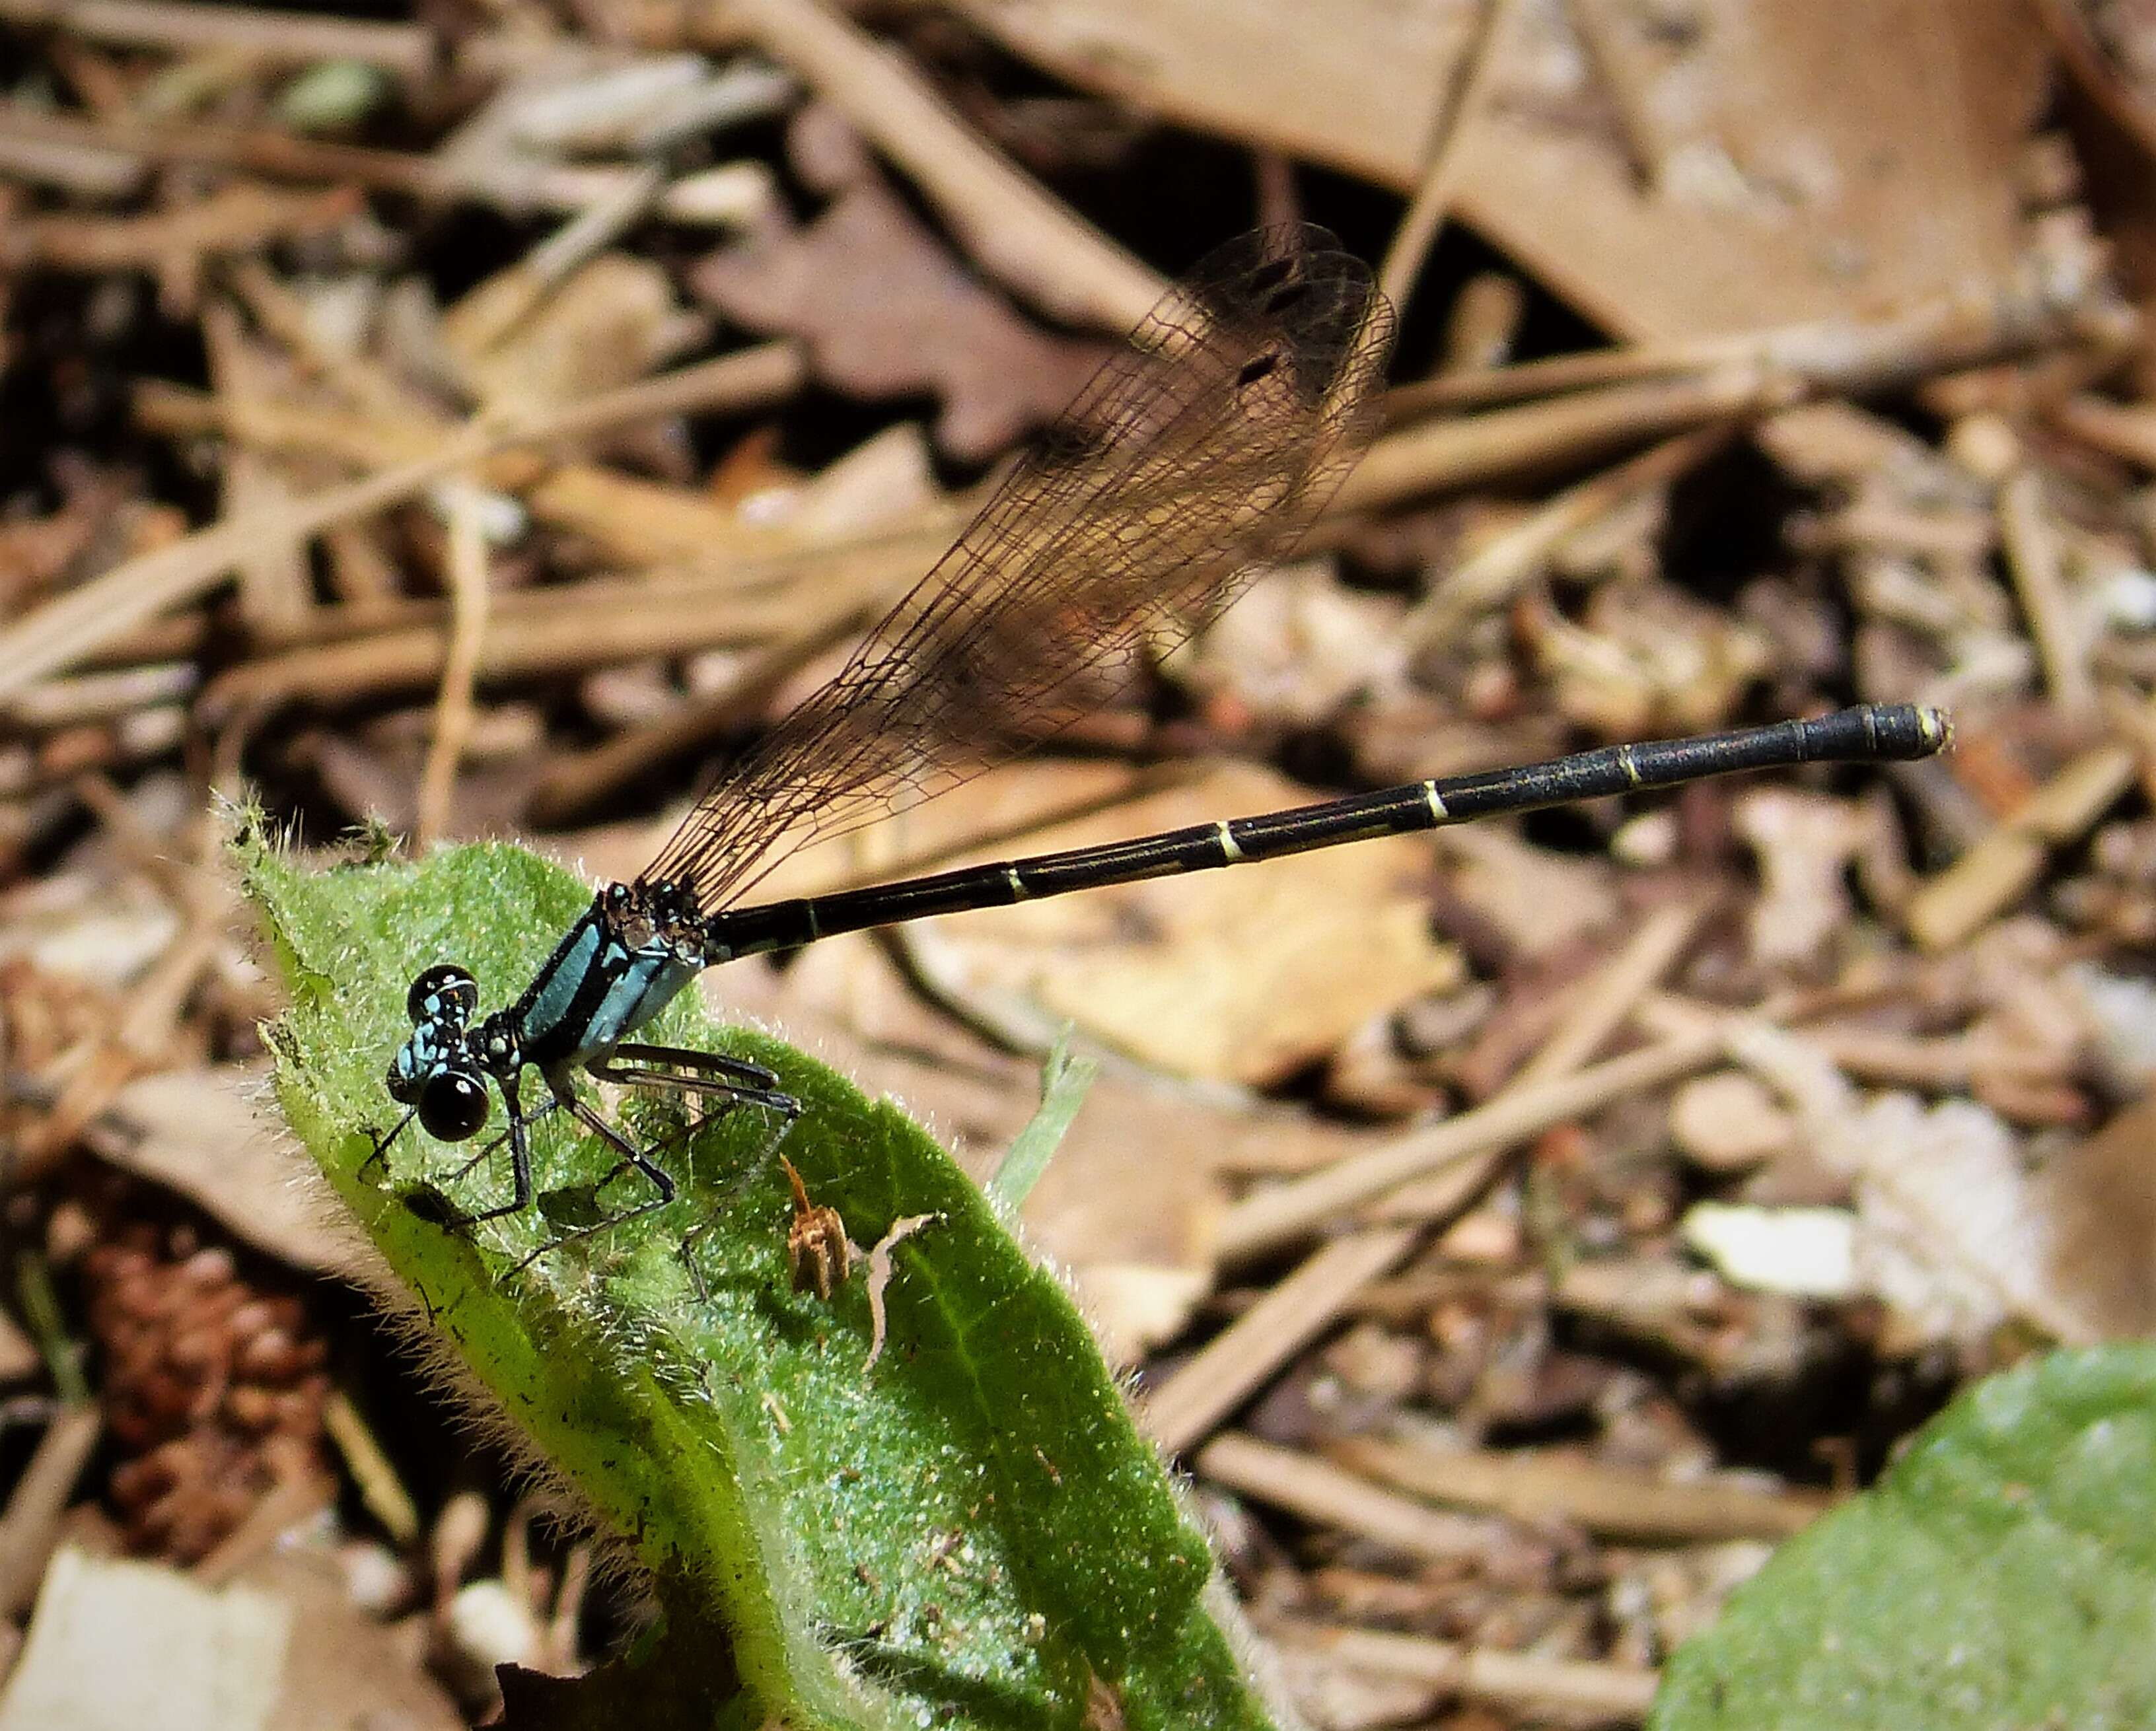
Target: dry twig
1003,218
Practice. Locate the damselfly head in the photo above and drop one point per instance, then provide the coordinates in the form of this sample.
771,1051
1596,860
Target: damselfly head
434,1070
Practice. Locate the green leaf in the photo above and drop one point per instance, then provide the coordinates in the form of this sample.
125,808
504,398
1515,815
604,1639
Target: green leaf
969,1533
2003,1573
1065,1082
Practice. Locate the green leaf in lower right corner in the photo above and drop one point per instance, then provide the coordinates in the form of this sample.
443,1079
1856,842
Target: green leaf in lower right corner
2002,1574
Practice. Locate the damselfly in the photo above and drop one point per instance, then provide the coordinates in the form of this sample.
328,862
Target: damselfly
1207,446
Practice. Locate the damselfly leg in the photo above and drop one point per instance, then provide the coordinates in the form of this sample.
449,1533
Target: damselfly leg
729,1082
734,1083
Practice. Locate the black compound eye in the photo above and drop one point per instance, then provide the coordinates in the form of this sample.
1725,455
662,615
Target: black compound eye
453,1105
445,990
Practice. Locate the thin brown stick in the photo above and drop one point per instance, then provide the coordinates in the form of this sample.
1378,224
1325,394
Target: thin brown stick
242,218
452,708
278,154
101,697
1832,356
1236,1362
138,589
2124,430
722,196
1554,375
1239,1359
1570,1689
2036,558
380,1489
1466,97
1537,437
1492,577
30,1529
1602,1004
571,628
1005,220
1284,1213
643,522
1319,1492
580,780
2005,864
1597,1010
1750,376
1621,1503
299,1492
141,1041
277,38
364,381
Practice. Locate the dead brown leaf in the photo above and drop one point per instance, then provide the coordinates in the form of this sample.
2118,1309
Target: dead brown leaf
1237,977
1674,170
887,312
199,1132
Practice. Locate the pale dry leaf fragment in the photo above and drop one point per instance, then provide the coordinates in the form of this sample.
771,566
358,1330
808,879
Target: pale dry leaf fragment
1646,659
1538,899
1804,843
880,1275
1132,1308
116,1646
612,321
1728,1122
886,312
1801,1253
348,1665
487,1625
1948,1235
1349,1698
2120,1011
199,1132
1233,977
2099,1200
1298,648
19,1357
1949,1231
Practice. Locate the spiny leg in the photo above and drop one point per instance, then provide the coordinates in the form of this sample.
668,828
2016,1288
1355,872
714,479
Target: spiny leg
738,1083
631,1156
733,1082
529,1119
730,1082
381,1151
520,1165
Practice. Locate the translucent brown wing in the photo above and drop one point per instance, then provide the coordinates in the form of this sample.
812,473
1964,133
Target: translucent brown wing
1205,448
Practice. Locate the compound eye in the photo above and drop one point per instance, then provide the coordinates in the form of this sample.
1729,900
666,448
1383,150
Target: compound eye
453,1105
444,990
